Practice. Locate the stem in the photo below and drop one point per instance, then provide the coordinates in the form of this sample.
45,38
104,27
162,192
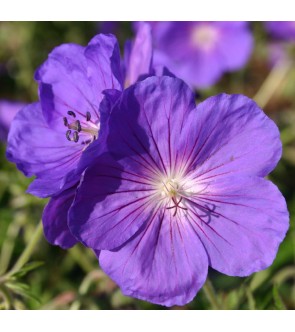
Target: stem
26,254
6,296
81,258
211,296
272,83
85,285
8,245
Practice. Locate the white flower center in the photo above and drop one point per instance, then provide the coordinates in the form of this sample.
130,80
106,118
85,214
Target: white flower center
177,192
204,36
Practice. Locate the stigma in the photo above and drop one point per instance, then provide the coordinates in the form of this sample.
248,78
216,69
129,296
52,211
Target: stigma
173,193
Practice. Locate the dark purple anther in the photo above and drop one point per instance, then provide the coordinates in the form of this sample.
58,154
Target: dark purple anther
79,128
71,113
88,116
68,133
76,136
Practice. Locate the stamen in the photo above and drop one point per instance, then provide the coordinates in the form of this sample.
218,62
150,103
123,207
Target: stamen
86,142
76,136
68,133
79,128
88,116
71,113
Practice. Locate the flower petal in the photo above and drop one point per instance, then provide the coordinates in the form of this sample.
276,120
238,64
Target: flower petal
241,222
140,58
230,134
8,110
39,150
234,45
73,78
132,123
164,264
111,204
55,217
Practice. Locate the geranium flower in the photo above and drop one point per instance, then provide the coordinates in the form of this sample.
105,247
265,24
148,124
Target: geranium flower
48,138
200,52
282,30
179,188
8,110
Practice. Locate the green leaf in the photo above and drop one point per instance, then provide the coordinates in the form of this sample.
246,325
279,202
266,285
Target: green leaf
27,268
21,289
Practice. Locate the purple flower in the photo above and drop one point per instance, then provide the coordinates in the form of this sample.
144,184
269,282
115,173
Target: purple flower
138,55
200,52
48,138
8,110
278,54
183,190
281,30
109,26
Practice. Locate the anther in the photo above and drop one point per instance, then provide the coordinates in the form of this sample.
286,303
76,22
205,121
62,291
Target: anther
68,133
94,137
76,136
65,121
88,116
79,128
71,113
86,142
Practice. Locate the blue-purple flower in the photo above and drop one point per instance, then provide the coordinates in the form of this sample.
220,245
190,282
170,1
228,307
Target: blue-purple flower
178,188
48,138
281,30
8,110
201,52
283,38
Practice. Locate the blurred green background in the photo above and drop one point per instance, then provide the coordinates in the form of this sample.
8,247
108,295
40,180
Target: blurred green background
58,279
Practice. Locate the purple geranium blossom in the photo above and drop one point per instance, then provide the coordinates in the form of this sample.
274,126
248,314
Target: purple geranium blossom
48,138
200,52
182,191
283,30
8,110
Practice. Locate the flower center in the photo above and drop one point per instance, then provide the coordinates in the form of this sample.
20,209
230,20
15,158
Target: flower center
83,129
204,36
173,191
